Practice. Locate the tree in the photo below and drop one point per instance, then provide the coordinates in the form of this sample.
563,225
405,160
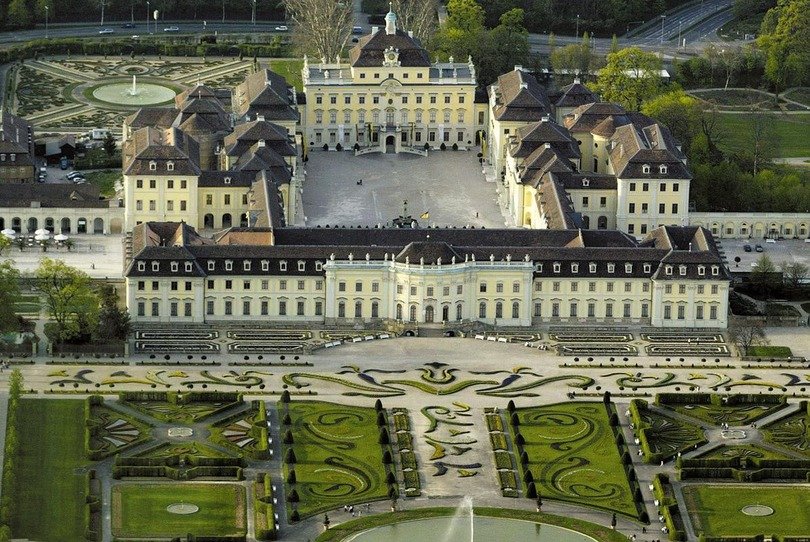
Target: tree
463,32
69,296
5,243
109,144
794,273
765,278
418,16
747,333
574,59
630,78
502,48
322,27
113,321
762,141
19,14
9,294
679,112
783,37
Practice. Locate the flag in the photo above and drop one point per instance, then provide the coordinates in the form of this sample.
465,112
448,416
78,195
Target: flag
425,215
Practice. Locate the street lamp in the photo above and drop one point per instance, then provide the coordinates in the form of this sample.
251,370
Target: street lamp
662,28
253,14
577,35
47,8
147,17
223,11
679,32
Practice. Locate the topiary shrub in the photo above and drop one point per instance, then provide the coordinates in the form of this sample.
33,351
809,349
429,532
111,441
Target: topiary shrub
325,146
292,496
286,419
288,437
378,406
295,517
290,457
524,458
384,438
510,406
443,146
515,419
356,147
390,478
387,459
455,146
528,477
382,421
338,147
520,440
531,491
285,396
291,478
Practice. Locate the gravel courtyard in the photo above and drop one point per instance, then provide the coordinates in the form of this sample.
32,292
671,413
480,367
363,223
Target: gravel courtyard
448,185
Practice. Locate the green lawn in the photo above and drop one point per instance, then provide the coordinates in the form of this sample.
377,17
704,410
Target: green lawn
730,414
770,351
716,510
139,510
290,69
105,180
573,455
801,95
50,493
744,450
791,130
338,457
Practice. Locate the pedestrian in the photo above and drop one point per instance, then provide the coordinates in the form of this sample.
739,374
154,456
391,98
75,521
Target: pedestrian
345,507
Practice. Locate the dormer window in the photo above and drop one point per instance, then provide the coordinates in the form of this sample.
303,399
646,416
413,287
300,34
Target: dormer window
645,169
592,267
188,267
265,265
701,270
647,268
611,267
152,166
2,157
227,180
715,270
175,267
586,183
682,270
246,265
318,266
302,265
556,267
211,265
282,265
13,157
575,268
662,169
628,268
228,265
141,266
170,166
155,266
668,270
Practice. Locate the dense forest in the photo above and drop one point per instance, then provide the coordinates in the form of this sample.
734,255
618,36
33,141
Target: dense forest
29,13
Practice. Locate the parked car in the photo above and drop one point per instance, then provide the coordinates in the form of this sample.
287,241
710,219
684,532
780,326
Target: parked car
171,29
282,28
106,31
63,162
770,240
73,174
128,25
747,248
357,30
759,248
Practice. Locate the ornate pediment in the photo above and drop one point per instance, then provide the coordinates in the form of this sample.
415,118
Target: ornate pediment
391,58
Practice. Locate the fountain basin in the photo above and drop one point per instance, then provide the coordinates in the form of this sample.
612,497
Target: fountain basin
120,94
486,529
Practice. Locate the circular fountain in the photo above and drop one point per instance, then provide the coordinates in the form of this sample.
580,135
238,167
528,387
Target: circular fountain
465,526
135,94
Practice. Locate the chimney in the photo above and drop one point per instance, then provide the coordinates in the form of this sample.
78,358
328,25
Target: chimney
524,85
260,117
547,145
374,30
544,118
576,80
518,67
410,33
260,143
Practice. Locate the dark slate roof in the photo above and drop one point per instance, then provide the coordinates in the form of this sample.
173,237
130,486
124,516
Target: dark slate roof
265,93
246,135
156,117
556,204
631,151
430,251
531,137
573,95
369,51
587,181
585,118
16,129
51,195
197,91
161,146
210,179
519,97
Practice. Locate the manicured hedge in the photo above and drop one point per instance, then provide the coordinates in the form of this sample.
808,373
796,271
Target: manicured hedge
263,509
668,505
498,441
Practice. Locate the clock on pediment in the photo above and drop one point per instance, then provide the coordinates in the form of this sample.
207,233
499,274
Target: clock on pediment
391,57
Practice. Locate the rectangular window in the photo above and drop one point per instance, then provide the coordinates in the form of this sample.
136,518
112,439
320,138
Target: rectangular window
573,310
555,310
318,285
265,284
715,289
187,309
170,205
413,290
627,310
682,289
608,310
667,312
699,312
246,307
482,288
228,307
152,205
282,285
299,308
499,287
668,289
282,308
358,286
173,286
538,307
591,286
662,208
713,312
515,287
574,286
591,310
153,184
459,289
300,285
681,312
209,307
155,308
139,183
246,285
141,308
645,310
429,291
609,286
319,308
341,286
674,208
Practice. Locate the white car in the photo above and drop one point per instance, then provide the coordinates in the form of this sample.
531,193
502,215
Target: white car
282,28
171,29
106,31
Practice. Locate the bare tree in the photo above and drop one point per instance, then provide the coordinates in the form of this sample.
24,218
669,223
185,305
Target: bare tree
419,16
763,142
794,273
747,333
321,27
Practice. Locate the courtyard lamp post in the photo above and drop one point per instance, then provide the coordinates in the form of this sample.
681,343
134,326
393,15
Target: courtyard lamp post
47,8
679,32
577,33
147,17
253,14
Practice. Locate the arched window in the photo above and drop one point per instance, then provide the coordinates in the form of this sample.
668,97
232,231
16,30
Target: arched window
413,313
358,309
459,312
375,309
515,310
399,311
601,223
586,222
498,310
445,313
482,309
342,309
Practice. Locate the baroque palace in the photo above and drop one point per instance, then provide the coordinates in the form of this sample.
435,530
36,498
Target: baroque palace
599,196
